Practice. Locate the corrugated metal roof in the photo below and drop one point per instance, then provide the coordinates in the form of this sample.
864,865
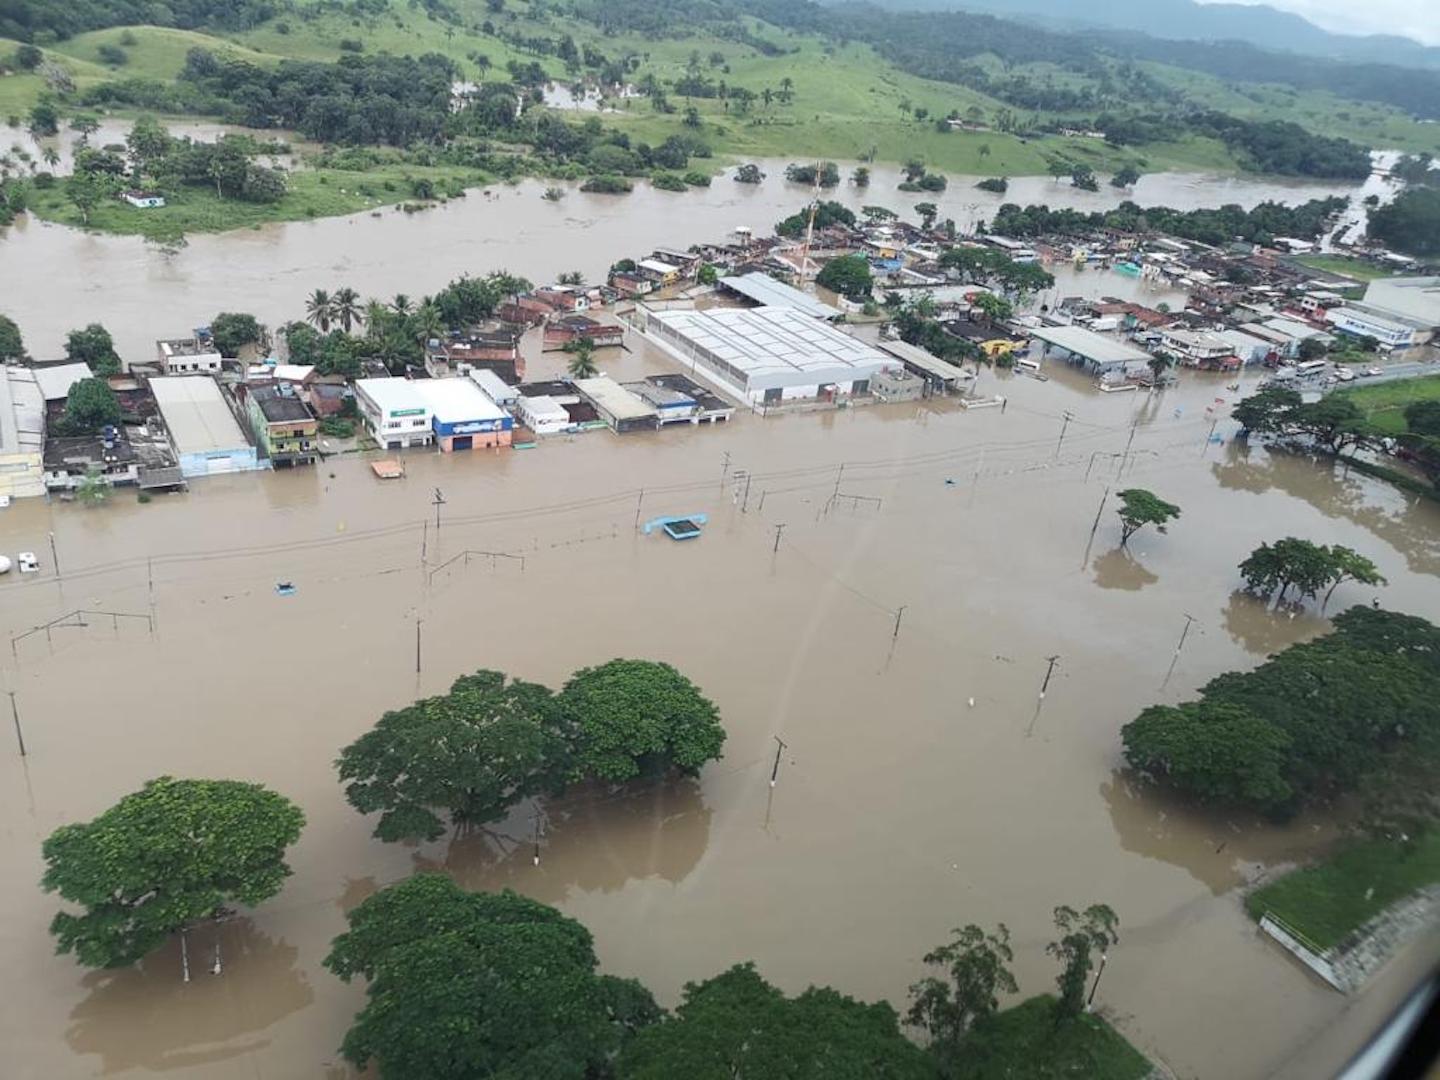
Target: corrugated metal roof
764,289
1092,346
614,398
776,341
196,415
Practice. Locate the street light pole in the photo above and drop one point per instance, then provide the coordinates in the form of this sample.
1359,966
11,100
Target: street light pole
1089,1002
15,715
775,769
1053,660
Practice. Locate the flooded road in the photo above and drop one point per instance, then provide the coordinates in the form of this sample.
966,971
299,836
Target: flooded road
901,810
53,278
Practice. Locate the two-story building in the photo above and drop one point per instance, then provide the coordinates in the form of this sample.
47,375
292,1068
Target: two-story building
189,356
285,428
394,412
1199,348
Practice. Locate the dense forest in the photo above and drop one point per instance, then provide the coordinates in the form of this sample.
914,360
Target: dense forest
45,21
1260,225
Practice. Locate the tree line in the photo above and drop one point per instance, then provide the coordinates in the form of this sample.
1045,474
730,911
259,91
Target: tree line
1259,225
44,21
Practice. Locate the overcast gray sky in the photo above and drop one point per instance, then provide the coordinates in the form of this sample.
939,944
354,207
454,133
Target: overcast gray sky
1419,19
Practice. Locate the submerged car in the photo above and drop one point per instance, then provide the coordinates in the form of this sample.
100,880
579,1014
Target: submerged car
28,563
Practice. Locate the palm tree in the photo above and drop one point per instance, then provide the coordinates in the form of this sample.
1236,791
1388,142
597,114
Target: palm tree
345,308
787,88
426,323
376,314
401,305
582,360
319,310
51,156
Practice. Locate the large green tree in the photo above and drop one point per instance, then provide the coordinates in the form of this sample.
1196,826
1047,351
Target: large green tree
1306,567
1082,934
1347,708
93,345
975,974
172,854
233,330
849,275
634,717
89,406
467,985
470,754
12,345
1268,411
1217,751
1139,508
738,1025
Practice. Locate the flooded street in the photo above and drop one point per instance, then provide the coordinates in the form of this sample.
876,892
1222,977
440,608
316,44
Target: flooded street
901,810
53,278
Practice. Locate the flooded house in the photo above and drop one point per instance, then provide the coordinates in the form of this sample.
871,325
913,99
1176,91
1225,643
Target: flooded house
621,409
458,353
22,433
462,416
206,436
394,412
677,399
566,329
197,354
285,428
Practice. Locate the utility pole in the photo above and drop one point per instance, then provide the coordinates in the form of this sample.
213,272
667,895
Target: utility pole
839,475
778,530
1066,418
1052,660
639,499
1099,510
775,769
1104,956
1183,633
1206,445
725,469
54,555
15,715
1133,425
417,645
536,816
898,616
438,500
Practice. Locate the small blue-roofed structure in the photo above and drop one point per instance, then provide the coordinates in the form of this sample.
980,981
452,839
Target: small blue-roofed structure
677,527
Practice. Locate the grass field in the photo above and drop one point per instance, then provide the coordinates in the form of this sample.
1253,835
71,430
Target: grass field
1327,901
1358,269
1025,1042
848,101
1384,403
313,193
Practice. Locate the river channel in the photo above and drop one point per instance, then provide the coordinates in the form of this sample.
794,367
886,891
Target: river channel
922,787
54,278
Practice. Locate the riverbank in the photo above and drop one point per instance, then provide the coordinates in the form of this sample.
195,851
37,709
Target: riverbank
1027,1041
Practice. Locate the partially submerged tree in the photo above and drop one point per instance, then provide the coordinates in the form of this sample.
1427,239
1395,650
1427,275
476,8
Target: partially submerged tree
465,985
848,275
89,406
975,974
233,330
1139,508
582,358
738,1025
172,854
1218,752
12,345
1306,567
1082,934
636,717
470,754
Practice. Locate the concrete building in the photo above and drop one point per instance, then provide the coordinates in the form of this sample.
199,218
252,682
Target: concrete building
188,356
1390,329
897,384
462,417
768,355
22,433
1249,348
618,407
204,432
676,398
1199,348
939,376
284,427
394,412
108,455
542,414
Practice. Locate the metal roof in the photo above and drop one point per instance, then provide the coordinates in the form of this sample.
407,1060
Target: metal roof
776,344
1094,347
456,401
924,360
764,289
196,415
55,381
609,395
22,412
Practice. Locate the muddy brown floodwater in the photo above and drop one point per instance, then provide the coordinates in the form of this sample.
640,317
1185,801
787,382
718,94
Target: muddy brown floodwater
901,810
53,278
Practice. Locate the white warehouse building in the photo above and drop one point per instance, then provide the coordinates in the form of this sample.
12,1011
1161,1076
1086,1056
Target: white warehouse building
768,355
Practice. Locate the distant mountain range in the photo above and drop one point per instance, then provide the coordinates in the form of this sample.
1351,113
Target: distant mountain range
1185,20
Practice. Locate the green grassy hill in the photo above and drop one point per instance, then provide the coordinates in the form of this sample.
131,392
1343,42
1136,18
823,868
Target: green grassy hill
848,101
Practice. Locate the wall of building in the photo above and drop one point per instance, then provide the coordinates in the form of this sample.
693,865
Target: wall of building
213,463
